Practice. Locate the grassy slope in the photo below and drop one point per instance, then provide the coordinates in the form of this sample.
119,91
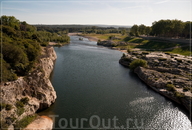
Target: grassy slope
104,36
155,45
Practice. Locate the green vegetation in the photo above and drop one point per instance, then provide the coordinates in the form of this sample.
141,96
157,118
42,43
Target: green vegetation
2,106
84,29
107,36
25,121
19,104
159,45
182,50
6,106
138,62
21,46
178,95
163,28
20,111
170,87
25,100
129,50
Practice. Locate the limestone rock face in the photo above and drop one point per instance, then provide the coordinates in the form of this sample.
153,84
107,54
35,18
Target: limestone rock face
31,93
158,82
168,74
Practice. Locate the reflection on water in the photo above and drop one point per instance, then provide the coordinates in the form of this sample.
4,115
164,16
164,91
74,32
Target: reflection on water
92,85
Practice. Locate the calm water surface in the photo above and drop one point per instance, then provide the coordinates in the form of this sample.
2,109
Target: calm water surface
95,91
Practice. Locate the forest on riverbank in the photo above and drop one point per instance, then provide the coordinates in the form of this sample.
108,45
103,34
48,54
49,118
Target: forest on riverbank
21,46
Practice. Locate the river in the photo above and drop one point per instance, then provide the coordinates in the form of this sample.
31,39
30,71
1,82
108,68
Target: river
95,92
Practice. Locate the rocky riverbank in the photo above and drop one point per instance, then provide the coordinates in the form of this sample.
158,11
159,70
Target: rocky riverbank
168,74
27,95
80,34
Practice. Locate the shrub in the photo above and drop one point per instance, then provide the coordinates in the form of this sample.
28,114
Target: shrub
127,59
25,100
111,37
8,107
135,53
138,62
129,49
178,95
170,87
2,106
19,104
20,110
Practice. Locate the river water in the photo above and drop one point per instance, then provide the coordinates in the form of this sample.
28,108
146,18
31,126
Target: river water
96,92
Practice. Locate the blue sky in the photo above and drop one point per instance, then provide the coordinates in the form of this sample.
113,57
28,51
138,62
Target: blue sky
113,12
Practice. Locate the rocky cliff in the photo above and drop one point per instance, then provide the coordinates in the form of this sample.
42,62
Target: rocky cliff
28,94
168,74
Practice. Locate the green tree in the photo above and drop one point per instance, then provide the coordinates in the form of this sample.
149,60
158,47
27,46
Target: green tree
7,74
134,30
147,30
167,28
141,29
178,27
93,29
16,57
123,32
187,29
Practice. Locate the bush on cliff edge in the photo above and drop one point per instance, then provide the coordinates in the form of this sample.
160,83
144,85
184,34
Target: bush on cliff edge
136,63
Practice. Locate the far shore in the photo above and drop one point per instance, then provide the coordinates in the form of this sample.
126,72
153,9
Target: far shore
88,37
92,39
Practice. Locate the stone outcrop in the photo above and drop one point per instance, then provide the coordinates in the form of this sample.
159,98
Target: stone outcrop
158,81
31,93
111,43
168,74
108,43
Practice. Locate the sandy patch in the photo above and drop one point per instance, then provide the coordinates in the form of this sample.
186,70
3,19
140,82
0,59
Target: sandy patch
41,123
52,43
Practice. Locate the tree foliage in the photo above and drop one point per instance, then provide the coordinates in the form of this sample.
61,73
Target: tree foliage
171,28
163,28
21,46
134,30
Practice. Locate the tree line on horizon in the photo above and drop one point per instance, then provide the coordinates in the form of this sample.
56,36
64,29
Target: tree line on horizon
85,29
164,28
